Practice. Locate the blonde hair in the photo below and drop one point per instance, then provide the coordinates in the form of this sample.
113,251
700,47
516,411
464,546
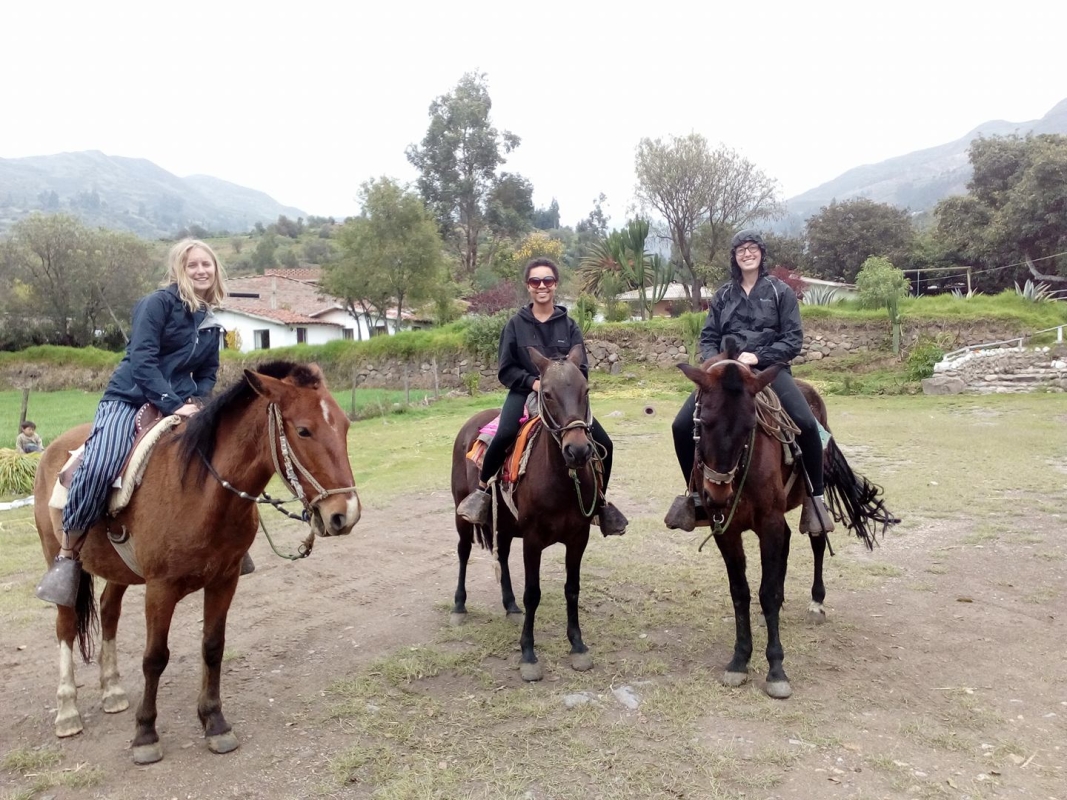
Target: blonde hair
176,274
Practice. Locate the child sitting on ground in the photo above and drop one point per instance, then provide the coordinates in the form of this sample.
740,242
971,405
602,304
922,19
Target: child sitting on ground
28,441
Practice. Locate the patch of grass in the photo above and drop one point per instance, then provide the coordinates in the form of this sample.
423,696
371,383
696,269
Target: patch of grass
25,760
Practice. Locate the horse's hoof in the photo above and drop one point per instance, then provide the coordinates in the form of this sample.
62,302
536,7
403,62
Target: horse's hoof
455,620
69,726
734,679
147,753
816,614
223,743
779,690
115,701
582,662
516,618
531,672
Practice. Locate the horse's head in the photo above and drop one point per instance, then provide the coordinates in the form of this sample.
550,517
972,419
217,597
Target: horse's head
309,444
565,404
725,420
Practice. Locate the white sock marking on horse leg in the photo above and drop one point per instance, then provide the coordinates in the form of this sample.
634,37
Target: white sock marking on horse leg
68,721
114,696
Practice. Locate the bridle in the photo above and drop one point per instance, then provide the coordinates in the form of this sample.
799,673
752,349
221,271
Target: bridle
286,467
557,431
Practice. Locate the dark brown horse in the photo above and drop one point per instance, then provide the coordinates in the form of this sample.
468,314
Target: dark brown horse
555,501
744,483
190,530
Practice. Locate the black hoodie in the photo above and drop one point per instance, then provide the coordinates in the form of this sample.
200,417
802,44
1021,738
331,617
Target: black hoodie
553,338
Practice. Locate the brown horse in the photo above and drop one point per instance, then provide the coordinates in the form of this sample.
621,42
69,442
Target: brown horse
555,500
191,521
744,483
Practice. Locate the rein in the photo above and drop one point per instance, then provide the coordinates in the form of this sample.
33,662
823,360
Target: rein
282,454
557,432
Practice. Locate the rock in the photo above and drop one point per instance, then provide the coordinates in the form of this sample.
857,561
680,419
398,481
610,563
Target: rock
941,384
627,697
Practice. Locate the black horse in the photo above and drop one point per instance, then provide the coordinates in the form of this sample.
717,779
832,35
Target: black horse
744,483
555,501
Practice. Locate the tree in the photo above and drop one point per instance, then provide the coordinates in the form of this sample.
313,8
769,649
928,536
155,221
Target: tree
77,281
620,261
704,196
547,219
881,284
390,254
457,163
843,235
1015,208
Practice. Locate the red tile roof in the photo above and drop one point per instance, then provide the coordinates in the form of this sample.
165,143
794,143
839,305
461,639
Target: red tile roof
281,315
303,274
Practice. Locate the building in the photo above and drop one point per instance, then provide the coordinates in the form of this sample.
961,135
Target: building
284,307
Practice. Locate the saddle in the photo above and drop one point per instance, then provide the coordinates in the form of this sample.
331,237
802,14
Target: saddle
515,463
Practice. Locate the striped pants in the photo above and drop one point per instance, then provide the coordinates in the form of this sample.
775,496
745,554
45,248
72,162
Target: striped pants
106,448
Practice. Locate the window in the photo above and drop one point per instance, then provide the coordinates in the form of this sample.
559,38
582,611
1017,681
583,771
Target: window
262,338
301,335
349,334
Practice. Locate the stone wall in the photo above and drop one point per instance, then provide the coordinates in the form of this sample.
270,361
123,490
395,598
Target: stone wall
1000,371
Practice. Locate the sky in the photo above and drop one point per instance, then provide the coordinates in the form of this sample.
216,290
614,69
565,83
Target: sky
307,100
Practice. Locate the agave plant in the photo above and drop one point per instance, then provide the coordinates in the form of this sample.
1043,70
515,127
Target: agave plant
1034,292
820,295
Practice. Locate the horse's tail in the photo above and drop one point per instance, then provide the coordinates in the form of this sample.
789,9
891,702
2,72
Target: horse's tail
86,619
853,499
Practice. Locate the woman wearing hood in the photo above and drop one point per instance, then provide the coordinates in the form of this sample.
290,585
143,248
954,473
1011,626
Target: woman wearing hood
761,311
546,327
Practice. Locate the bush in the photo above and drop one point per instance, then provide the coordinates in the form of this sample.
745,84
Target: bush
17,471
471,381
921,359
483,334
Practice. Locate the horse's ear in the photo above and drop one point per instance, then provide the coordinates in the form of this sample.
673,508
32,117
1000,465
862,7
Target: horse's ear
263,385
539,360
764,378
696,374
576,354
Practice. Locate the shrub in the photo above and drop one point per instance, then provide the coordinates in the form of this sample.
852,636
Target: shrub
483,334
471,381
17,471
921,359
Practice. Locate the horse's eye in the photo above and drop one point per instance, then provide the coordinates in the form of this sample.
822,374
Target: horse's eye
303,433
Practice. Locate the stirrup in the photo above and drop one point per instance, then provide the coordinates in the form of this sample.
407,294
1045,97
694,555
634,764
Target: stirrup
248,566
475,507
612,521
60,584
815,517
682,514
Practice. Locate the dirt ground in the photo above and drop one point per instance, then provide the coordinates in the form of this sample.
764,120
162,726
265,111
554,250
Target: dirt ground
943,676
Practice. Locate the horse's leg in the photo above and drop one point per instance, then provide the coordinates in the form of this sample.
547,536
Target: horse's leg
113,696
463,550
507,594
159,601
816,612
774,555
68,720
217,731
581,658
733,555
531,599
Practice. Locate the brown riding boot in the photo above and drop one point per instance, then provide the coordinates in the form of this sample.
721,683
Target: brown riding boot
682,515
612,521
815,518
60,584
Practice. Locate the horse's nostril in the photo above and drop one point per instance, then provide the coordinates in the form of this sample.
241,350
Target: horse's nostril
337,522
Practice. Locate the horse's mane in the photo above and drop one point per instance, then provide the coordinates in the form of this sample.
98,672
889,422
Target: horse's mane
200,432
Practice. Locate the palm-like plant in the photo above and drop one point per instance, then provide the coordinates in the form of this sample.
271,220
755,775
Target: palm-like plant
620,260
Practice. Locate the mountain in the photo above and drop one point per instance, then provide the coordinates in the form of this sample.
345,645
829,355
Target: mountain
920,179
130,194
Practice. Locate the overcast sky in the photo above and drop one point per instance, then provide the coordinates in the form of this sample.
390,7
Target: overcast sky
306,100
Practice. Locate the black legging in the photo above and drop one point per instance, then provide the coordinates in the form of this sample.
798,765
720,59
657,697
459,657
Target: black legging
795,406
507,431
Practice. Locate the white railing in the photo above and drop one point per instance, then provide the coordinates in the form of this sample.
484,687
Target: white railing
1018,341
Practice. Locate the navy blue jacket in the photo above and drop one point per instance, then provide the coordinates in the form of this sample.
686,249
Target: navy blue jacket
766,321
553,338
173,354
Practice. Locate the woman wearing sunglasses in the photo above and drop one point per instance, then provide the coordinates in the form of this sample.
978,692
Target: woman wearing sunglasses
763,313
545,326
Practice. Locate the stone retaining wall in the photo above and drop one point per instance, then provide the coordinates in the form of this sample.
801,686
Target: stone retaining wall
1001,371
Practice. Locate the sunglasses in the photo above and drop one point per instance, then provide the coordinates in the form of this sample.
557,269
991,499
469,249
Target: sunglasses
535,283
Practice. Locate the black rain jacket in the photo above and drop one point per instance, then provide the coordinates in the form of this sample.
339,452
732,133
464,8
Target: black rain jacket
766,321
